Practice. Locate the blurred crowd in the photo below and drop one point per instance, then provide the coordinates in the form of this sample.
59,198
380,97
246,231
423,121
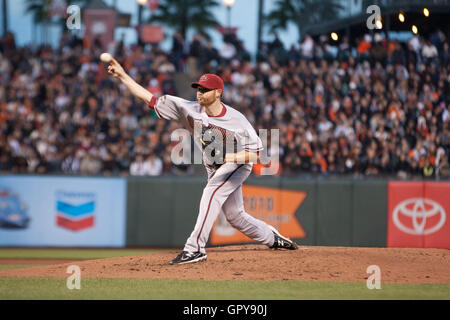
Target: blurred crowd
369,108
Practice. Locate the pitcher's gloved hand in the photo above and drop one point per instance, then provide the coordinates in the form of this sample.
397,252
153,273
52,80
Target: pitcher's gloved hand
208,136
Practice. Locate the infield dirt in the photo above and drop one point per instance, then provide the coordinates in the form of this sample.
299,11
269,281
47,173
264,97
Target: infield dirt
257,262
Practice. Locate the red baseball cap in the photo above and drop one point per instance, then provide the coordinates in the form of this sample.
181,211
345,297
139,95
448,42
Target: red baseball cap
209,81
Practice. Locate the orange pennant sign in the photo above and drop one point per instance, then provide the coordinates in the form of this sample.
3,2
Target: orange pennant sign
276,207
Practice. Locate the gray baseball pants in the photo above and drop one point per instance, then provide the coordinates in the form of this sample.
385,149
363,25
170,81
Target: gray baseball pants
224,192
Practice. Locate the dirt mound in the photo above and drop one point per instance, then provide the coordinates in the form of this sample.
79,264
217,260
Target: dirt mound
256,262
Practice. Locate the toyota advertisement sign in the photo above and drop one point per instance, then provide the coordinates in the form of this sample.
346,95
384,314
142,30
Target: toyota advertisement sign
418,214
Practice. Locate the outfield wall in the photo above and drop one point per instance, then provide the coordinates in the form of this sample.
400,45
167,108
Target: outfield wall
162,211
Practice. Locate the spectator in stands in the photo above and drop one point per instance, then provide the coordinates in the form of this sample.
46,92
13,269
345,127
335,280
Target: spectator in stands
153,165
378,51
429,52
363,48
228,52
398,55
443,168
276,43
195,52
90,163
307,47
177,51
137,167
344,49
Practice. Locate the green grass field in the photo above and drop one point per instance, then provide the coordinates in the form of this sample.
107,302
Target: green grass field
155,289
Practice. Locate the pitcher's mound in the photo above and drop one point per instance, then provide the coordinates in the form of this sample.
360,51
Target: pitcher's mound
257,262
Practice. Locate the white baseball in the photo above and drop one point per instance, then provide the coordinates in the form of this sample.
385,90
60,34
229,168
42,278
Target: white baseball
105,57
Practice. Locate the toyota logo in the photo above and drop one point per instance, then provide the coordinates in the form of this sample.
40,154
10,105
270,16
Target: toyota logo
419,210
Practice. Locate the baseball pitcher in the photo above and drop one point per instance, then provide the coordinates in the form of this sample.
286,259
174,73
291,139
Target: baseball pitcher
229,147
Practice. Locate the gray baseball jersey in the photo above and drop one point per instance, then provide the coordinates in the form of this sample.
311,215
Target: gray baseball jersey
189,113
224,189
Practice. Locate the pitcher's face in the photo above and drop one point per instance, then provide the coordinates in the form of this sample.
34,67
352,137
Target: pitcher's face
206,97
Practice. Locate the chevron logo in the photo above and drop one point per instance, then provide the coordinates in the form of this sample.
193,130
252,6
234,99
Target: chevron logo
75,211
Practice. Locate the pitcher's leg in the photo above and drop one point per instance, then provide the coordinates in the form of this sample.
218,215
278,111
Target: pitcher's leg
253,228
208,212
220,186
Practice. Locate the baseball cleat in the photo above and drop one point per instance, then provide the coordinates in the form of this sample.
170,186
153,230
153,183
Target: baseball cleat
281,242
188,257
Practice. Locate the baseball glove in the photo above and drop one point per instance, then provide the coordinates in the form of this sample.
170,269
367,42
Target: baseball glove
210,134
